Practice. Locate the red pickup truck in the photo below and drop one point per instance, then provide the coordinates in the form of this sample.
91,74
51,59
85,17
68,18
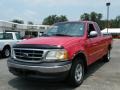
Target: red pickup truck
64,51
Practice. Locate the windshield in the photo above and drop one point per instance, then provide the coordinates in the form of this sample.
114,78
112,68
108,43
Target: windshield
6,36
18,36
66,29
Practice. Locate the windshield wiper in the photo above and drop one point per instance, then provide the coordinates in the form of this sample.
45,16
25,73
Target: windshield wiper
63,35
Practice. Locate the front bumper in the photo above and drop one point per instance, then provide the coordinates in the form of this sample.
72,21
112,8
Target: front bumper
42,69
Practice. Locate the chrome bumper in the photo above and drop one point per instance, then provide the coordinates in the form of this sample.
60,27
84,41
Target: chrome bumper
42,69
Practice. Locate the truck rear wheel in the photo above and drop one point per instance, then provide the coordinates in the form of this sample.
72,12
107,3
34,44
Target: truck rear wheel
107,57
76,73
6,52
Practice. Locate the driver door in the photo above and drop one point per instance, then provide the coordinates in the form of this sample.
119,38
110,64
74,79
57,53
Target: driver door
92,45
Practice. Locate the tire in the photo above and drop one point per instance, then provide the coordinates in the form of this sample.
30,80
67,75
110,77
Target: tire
107,57
6,52
76,75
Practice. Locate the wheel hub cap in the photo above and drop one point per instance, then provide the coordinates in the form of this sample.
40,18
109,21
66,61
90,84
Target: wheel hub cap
7,52
78,72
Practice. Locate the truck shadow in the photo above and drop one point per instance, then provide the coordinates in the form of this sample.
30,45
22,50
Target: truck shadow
36,84
0,56
93,68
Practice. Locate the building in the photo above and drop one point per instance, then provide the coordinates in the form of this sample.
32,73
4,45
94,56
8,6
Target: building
115,32
23,29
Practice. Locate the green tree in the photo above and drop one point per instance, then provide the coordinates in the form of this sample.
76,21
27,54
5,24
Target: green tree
93,16
118,18
54,19
62,18
118,21
18,21
85,16
114,23
99,16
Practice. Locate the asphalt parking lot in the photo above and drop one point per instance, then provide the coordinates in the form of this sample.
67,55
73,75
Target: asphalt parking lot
100,76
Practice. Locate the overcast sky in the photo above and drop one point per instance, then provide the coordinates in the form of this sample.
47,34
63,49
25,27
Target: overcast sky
37,10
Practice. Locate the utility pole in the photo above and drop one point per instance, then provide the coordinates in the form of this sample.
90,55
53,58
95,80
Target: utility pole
107,4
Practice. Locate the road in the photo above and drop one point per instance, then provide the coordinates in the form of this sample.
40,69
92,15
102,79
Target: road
100,76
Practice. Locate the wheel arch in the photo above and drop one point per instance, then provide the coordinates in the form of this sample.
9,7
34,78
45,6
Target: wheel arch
7,46
109,46
82,56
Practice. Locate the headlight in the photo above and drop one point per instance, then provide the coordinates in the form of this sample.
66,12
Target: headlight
12,53
60,55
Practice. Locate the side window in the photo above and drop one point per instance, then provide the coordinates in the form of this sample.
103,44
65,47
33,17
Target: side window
8,36
97,28
1,36
91,31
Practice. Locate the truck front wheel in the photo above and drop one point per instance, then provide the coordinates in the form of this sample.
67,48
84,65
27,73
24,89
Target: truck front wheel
6,52
76,73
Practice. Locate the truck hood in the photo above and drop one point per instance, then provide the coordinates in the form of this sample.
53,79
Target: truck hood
52,41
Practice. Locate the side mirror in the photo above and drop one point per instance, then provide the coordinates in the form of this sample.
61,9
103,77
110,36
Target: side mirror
93,34
40,34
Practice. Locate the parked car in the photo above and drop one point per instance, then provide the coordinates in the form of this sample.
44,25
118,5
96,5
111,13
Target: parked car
8,39
64,51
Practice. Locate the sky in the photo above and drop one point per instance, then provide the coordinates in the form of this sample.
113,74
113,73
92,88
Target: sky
37,10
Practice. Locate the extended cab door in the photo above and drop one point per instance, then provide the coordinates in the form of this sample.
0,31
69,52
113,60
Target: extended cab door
92,44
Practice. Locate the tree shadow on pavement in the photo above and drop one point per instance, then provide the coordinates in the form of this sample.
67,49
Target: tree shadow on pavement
37,84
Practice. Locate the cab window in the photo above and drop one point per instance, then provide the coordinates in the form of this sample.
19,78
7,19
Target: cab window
92,31
4,36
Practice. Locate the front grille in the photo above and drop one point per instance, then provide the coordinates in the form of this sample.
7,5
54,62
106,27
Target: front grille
29,55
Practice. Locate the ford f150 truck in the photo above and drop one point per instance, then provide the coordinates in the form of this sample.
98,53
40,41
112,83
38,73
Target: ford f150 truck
7,39
64,51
